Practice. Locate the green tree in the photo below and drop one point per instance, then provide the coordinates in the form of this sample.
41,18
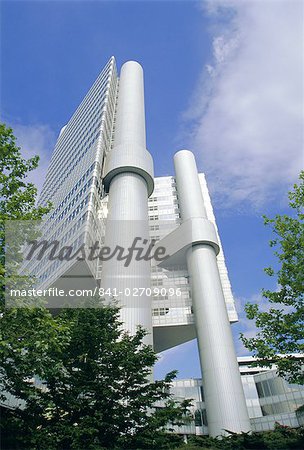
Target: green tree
281,438
26,333
18,202
96,391
281,328
17,197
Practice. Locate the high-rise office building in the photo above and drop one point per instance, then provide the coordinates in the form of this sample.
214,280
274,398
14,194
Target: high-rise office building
73,182
102,186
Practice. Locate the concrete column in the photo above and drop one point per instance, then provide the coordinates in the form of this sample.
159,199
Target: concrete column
224,396
128,179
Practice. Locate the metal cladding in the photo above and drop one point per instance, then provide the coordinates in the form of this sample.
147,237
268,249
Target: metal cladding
191,232
129,180
224,395
129,152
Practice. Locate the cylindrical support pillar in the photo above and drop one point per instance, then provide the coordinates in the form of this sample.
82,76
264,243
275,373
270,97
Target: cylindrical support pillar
130,116
224,395
128,178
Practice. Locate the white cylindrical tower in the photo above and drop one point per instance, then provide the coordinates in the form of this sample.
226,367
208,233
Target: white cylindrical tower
128,178
224,396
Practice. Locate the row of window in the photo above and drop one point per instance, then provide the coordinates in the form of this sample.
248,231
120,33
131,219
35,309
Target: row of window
105,123
70,135
88,216
70,231
163,197
72,164
87,105
57,264
279,408
154,227
272,386
160,311
77,141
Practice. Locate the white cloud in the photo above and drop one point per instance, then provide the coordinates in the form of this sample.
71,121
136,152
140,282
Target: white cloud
167,354
35,140
247,112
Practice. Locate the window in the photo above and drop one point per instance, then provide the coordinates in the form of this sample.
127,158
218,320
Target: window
260,389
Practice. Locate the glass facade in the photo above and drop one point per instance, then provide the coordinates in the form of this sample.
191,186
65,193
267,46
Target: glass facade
73,181
269,399
276,395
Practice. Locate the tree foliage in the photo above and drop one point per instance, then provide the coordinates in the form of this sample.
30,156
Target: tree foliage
23,331
281,438
96,390
281,328
17,195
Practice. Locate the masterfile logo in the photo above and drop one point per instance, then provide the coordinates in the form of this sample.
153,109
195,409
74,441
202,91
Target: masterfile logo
139,250
69,260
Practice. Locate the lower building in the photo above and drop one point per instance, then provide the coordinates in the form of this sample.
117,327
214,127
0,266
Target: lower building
270,399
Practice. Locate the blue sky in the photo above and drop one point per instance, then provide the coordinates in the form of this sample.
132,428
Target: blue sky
222,78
